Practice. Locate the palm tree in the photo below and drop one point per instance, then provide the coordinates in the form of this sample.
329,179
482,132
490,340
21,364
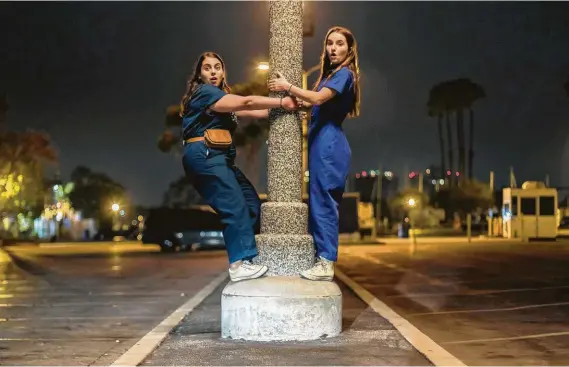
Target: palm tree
447,104
474,92
436,109
454,101
465,93
459,95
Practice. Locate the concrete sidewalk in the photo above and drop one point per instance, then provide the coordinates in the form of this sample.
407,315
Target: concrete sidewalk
367,339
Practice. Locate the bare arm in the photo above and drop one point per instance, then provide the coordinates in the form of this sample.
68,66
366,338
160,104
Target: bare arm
312,97
279,83
253,115
234,103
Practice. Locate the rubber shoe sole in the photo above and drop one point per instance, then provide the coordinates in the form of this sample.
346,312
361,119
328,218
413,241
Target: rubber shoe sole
325,278
256,275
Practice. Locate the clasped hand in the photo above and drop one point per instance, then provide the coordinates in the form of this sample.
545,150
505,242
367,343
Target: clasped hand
280,84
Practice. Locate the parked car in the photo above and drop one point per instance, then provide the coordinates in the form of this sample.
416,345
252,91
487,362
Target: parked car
183,229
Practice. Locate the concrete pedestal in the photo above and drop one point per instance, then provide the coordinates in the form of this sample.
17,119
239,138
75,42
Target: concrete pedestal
281,308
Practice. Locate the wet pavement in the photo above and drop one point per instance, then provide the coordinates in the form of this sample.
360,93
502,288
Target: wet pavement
367,339
86,304
487,303
500,303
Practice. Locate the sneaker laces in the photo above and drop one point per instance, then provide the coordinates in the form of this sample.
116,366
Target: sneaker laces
247,264
324,263
320,264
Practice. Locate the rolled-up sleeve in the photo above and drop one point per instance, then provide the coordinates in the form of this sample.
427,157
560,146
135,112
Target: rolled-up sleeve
205,96
341,81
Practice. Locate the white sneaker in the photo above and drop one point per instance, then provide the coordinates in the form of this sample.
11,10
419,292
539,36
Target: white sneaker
322,270
247,270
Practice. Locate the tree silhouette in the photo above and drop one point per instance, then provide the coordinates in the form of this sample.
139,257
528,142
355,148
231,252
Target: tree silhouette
436,109
439,104
566,85
94,193
456,96
22,158
181,194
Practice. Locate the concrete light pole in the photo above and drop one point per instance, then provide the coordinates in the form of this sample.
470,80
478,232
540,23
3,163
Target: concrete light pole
283,306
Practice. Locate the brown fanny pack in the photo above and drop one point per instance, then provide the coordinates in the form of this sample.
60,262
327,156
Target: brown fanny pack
215,138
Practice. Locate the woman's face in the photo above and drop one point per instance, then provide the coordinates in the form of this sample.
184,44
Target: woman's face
212,71
337,48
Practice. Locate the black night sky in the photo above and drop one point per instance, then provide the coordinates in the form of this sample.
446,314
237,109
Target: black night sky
98,77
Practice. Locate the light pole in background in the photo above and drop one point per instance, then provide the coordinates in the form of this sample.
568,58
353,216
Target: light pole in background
115,208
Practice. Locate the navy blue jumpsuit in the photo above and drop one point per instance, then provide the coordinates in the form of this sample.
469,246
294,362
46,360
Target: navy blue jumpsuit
329,157
216,178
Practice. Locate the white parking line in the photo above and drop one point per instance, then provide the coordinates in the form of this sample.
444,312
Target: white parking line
138,352
476,292
430,280
533,336
425,345
490,309
78,318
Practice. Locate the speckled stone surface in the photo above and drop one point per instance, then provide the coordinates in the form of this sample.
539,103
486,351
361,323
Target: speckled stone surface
284,181
284,218
291,253
285,254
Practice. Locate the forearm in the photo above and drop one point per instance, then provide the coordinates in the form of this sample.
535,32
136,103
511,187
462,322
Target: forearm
261,103
309,96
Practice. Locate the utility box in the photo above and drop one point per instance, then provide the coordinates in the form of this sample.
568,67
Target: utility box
530,212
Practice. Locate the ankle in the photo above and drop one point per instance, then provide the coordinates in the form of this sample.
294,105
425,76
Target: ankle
235,265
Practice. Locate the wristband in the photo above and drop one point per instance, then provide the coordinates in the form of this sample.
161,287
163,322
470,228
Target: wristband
289,88
281,101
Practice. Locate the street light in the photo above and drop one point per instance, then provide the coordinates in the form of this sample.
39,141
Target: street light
264,66
115,207
411,202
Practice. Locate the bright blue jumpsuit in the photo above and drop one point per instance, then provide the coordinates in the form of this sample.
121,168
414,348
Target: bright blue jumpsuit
216,178
329,157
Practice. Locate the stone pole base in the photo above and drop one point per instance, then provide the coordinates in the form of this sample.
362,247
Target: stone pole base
281,308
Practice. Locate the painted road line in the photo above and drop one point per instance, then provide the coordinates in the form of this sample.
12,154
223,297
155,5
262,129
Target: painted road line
533,336
517,308
433,281
476,292
138,352
425,345
79,318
